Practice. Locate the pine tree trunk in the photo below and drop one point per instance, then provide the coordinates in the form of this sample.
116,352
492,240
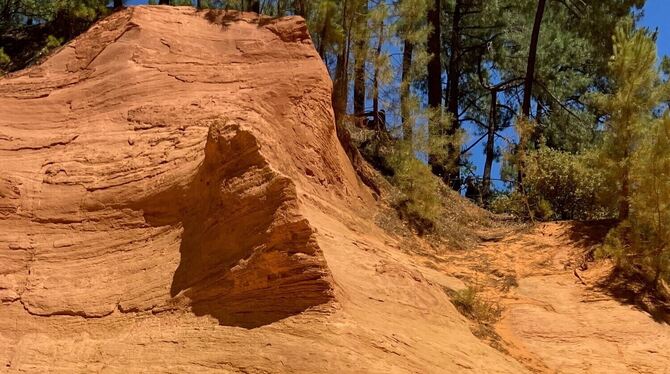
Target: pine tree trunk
658,268
490,145
339,97
434,48
435,63
532,56
624,199
359,85
251,6
359,69
528,84
407,125
453,94
299,8
322,45
375,81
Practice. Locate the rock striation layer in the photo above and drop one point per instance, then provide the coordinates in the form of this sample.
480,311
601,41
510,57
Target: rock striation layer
173,197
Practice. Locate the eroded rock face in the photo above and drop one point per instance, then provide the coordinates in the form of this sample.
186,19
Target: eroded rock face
171,176
136,177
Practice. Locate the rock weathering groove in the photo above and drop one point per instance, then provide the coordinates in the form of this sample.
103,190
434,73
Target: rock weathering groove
174,198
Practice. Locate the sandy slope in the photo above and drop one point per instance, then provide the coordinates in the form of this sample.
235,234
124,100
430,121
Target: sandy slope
174,199
552,321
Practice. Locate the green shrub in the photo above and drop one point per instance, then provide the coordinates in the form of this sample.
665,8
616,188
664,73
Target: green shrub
419,200
558,185
471,305
418,196
565,186
4,61
508,203
53,42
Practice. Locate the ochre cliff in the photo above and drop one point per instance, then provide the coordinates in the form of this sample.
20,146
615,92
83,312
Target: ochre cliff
173,197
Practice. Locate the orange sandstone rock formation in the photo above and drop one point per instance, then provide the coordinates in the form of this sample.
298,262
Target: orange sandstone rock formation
173,198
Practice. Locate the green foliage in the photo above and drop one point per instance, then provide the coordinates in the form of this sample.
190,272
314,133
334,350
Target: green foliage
82,10
437,141
181,2
637,92
326,26
15,12
665,66
31,28
561,185
420,200
571,62
507,202
4,60
557,185
53,42
641,243
636,152
469,302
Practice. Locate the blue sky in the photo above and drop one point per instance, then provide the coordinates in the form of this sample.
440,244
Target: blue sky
657,15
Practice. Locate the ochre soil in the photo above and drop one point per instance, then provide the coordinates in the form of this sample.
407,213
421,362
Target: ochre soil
560,311
174,198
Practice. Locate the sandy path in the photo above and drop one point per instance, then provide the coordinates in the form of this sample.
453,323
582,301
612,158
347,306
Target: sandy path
553,321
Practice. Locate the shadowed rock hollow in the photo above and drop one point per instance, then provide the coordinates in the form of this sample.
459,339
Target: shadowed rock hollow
171,176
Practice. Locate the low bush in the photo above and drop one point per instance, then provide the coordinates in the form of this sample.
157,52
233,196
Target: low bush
419,200
4,61
557,185
472,305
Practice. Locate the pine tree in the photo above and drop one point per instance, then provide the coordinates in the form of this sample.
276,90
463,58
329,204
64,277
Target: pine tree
635,154
380,63
650,202
636,93
413,31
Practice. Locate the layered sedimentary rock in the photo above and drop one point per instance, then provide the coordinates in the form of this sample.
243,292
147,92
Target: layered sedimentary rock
173,197
135,177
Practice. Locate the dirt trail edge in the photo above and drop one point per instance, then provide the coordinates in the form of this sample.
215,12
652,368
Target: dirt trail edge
555,318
